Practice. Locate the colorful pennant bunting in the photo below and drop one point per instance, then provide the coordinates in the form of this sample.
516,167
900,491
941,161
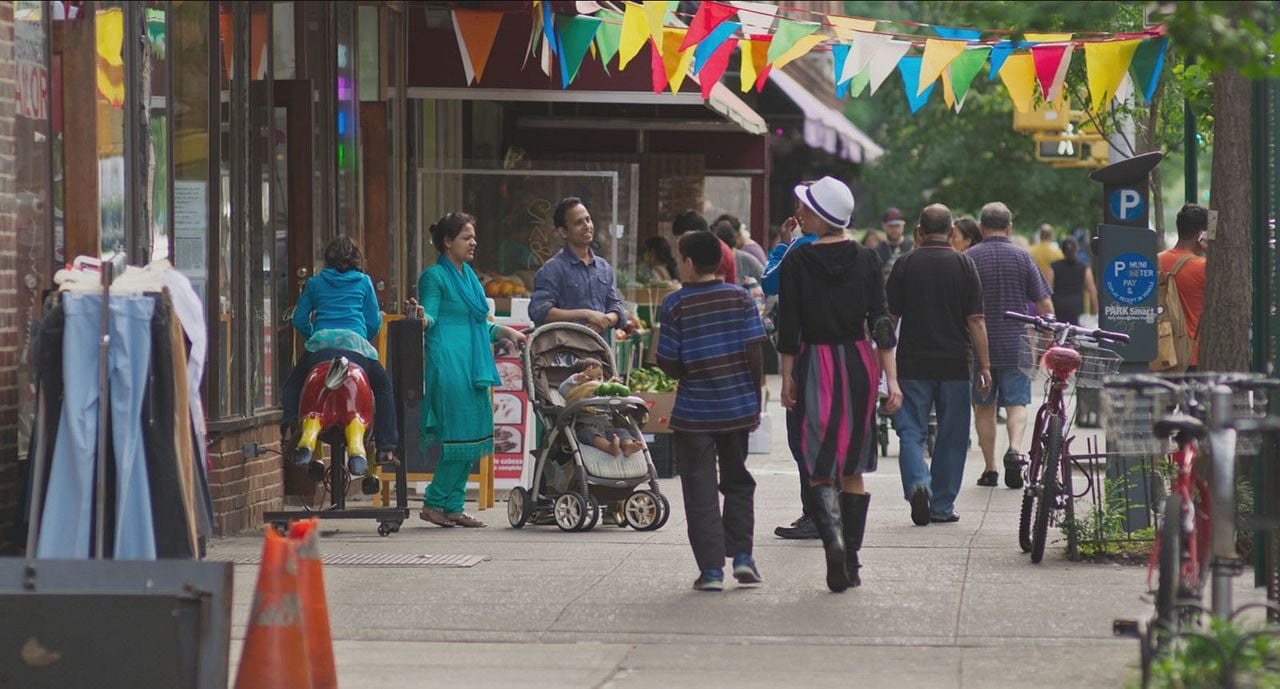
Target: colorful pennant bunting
909,68
715,66
1106,64
788,35
576,34
1019,77
937,55
549,27
846,27
476,31
1047,37
859,83
957,34
1052,62
1148,62
711,44
756,17
655,15
635,33
609,37
965,68
840,53
865,45
883,62
709,16
675,64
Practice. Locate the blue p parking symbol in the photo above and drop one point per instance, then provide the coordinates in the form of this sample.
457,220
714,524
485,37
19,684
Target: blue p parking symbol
1127,204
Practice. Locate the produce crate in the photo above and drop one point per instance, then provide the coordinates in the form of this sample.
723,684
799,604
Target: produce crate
662,449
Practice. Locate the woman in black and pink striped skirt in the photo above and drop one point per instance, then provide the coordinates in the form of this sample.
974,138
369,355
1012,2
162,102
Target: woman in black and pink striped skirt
831,294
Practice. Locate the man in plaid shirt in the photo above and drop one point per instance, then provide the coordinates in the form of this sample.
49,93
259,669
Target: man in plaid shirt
1010,280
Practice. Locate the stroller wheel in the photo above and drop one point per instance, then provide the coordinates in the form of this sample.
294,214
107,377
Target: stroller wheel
593,514
645,510
570,512
518,507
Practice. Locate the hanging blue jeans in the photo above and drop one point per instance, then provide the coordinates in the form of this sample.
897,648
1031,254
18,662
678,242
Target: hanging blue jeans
67,525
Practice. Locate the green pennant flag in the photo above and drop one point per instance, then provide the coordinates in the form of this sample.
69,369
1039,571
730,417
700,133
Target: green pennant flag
575,33
1148,62
965,67
860,82
788,34
609,37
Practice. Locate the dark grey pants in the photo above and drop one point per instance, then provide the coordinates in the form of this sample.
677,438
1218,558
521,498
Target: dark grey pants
712,537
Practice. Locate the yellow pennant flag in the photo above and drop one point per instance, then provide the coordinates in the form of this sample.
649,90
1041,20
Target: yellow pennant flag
846,27
755,58
655,13
1106,64
802,47
1047,37
938,54
948,93
635,33
1019,77
676,63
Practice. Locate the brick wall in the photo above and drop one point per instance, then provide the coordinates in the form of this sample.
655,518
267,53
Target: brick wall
9,341
243,488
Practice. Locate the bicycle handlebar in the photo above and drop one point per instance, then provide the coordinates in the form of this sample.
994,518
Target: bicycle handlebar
1049,325
1176,383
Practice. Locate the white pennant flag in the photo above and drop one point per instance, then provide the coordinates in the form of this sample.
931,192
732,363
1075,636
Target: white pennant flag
1125,91
865,46
755,17
885,60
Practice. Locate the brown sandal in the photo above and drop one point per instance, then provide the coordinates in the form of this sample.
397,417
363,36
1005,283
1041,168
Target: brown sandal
436,516
466,520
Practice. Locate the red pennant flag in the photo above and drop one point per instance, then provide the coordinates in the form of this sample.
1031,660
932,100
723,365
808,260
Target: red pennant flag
659,67
478,29
715,66
1048,59
709,16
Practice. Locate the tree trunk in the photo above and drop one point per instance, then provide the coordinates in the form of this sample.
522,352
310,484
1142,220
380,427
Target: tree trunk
1149,144
1225,323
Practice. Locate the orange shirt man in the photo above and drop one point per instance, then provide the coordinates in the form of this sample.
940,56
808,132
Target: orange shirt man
1193,221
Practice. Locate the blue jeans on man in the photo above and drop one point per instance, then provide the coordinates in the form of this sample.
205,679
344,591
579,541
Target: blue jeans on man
943,476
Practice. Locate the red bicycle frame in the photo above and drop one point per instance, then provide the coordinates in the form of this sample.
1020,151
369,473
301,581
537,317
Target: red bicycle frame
1060,362
1195,515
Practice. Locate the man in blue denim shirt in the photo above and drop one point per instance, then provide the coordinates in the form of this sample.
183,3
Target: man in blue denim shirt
575,285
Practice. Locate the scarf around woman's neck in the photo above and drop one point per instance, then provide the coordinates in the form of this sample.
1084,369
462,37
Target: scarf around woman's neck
484,373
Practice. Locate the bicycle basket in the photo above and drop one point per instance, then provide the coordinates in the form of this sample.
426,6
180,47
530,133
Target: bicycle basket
1129,416
1096,362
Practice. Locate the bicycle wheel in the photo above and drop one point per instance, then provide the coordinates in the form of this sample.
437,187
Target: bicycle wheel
1036,454
1170,561
1048,487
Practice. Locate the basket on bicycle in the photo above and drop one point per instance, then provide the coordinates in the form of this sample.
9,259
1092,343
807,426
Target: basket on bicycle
1129,415
1096,362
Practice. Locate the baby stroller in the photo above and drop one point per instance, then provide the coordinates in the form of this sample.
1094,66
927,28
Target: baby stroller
571,481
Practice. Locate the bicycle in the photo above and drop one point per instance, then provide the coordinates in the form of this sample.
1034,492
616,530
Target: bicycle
1195,523
1071,353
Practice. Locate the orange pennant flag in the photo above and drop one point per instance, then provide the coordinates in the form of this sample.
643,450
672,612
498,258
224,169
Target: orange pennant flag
477,29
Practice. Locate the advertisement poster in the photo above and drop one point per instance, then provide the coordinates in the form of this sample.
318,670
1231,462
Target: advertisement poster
513,424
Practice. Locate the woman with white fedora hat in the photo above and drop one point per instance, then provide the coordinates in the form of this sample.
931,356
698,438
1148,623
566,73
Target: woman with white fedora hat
831,294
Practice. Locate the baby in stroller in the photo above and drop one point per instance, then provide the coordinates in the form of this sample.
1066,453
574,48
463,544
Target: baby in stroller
597,429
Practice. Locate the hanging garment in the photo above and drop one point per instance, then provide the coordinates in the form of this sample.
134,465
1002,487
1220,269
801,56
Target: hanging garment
66,520
169,515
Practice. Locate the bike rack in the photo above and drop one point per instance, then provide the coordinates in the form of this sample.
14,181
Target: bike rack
1155,639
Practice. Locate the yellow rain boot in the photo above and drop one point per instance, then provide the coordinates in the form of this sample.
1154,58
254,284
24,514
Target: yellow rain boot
307,440
357,458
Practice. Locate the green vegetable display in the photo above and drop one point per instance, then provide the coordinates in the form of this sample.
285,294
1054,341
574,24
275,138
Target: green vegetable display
650,380
611,389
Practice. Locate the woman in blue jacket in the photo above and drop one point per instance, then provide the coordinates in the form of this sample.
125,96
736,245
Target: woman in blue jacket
338,314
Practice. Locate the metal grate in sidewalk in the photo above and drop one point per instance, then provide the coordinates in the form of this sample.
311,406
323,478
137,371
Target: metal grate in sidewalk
376,560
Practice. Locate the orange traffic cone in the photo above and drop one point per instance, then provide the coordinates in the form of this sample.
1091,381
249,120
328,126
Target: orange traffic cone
315,611
275,651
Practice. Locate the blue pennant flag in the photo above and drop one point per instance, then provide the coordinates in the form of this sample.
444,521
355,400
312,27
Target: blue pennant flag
1001,52
708,46
840,52
549,27
957,34
909,67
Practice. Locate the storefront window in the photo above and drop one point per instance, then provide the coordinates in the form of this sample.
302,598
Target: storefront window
394,54
155,90
32,181
348,185
110,26
260,222
190,64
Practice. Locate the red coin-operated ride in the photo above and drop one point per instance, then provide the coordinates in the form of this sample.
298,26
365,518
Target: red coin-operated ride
336,407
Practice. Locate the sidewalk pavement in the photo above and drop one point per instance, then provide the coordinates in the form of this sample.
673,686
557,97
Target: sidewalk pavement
943,606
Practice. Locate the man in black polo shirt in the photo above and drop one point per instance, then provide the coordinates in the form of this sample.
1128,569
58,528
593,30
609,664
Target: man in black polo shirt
936,294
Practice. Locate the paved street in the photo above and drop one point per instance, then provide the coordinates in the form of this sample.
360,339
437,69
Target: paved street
943,606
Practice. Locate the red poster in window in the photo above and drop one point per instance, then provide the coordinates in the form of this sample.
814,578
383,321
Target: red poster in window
512,418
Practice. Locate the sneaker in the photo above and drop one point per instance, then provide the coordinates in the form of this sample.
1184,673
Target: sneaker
800,529
387,458
1012,469
989,479
711,580
945,519
744,570
358,465
920,506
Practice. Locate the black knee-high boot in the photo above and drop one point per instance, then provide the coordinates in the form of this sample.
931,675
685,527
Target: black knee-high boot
826,516
853,508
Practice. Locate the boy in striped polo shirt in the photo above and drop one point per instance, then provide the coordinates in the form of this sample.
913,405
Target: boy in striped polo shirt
710,339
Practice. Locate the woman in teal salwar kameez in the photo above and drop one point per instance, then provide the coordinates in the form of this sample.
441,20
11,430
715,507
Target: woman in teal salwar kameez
457,409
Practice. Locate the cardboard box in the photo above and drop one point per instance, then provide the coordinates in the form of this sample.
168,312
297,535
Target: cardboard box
660,406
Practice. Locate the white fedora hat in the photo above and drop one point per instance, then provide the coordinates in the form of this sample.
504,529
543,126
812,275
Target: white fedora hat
829,198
